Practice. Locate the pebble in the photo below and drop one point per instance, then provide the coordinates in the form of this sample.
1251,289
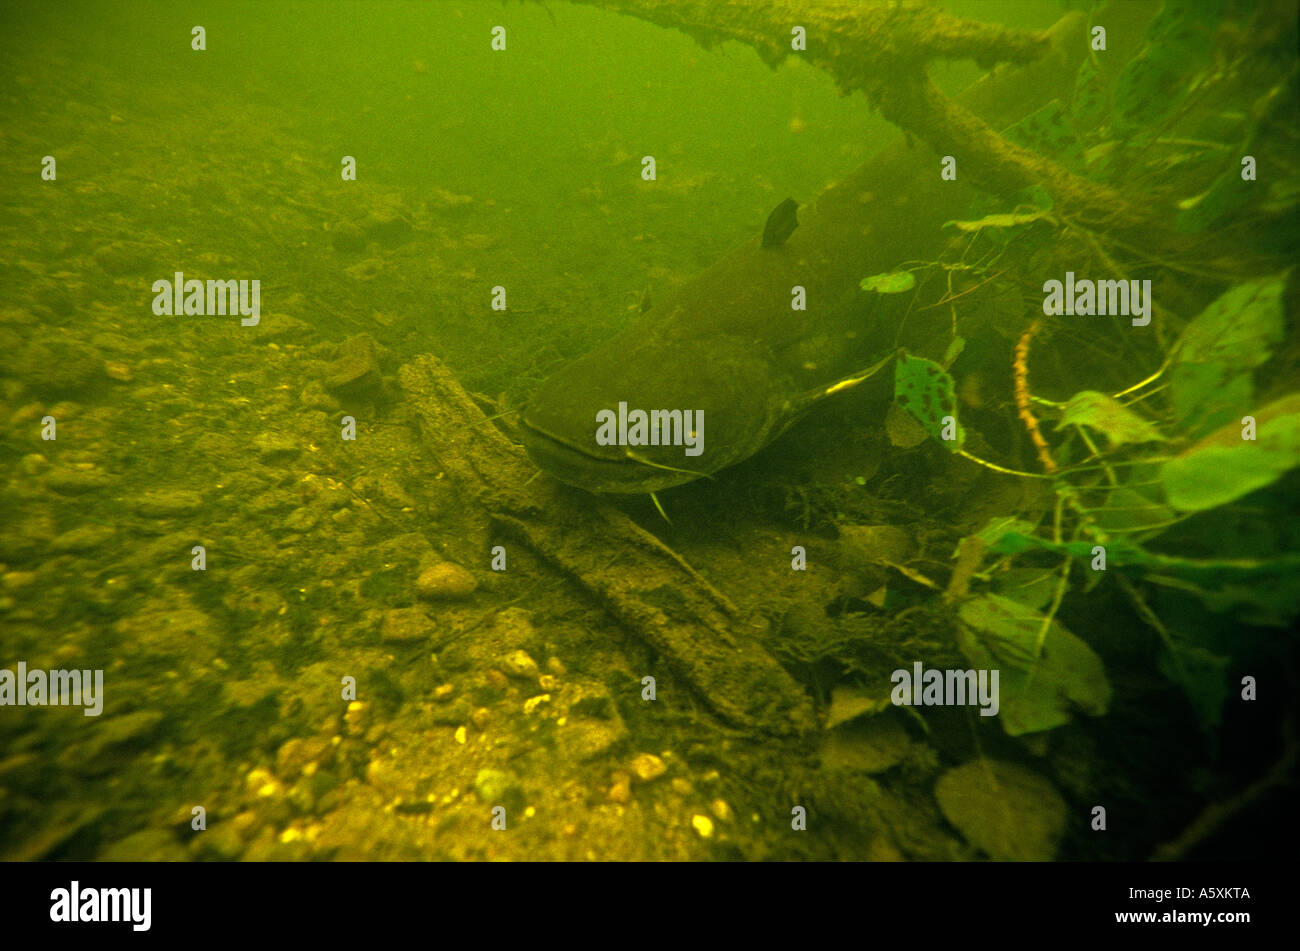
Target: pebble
620,789
14,580
492,785
76,481
703,825
275,447
403,625
33,464
84,538
167,502
648,767
519,664
117,370
355,718
445,581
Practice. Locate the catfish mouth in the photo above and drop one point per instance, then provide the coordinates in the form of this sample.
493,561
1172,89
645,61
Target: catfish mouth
576,466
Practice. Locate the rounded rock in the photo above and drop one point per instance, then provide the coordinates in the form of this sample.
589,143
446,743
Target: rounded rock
445,581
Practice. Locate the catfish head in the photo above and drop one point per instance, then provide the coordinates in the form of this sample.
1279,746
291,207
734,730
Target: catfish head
709,401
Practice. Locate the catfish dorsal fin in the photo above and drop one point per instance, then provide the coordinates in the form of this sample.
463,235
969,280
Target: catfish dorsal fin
781,223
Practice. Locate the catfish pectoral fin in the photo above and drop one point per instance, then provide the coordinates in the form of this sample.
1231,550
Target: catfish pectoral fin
812,396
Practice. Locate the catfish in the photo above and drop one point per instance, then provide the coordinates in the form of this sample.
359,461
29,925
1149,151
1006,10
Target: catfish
728,346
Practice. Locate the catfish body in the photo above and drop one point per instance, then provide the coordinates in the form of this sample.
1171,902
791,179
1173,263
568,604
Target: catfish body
728,343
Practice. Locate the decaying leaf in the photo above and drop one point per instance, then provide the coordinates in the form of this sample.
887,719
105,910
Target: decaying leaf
1011,813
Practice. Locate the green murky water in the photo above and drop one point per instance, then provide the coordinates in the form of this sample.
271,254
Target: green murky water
315,606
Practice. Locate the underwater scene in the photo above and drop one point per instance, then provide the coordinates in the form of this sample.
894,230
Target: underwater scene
649,430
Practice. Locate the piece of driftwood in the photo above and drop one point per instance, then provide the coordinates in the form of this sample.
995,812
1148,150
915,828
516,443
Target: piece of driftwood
884,48
703,637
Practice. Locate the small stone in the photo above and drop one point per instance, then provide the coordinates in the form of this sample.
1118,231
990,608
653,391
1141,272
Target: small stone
721,810
355,718
33,464
262,784
276,448
356,369
76,481
548,682
347,237
85,538
443,692
300,755
513,628
519,664
532,703
161,503
387,227
301,520
492,786
620,789
313,396
15,580
556,666
496,678
703,825
481,717
404,625
445,581
117,370
648,767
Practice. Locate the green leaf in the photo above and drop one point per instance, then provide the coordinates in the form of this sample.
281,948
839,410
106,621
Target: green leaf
1159,76
1045,671
1223,466
1229,192
894,282
1100,412
996,528
954,350
1047,132
1239,329
1203,675
1032,587
1210,380
1127,510
1088,103
923,389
